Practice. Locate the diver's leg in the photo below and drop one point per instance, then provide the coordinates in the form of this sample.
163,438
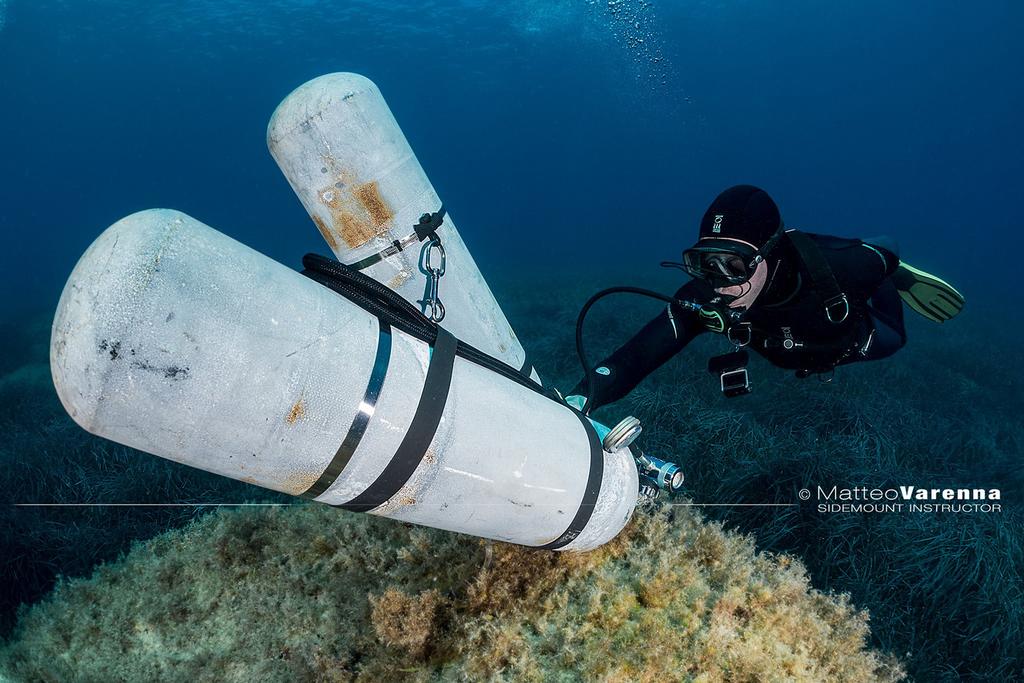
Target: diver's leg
886,310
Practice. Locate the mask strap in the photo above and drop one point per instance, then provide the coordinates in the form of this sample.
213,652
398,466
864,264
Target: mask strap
767,248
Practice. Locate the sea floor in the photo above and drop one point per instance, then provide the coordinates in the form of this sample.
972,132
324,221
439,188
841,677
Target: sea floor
943,588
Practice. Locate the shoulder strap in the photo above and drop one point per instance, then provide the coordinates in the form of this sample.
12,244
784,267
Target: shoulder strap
823,280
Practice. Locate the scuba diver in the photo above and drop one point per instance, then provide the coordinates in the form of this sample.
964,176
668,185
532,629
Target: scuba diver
803,301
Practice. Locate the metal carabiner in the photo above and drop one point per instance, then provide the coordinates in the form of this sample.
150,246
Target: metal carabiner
433,300
434,275
437,311
435,243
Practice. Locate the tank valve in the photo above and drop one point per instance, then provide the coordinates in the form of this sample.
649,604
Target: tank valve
622,434
666,475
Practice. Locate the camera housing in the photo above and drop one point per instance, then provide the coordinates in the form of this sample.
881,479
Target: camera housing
731,369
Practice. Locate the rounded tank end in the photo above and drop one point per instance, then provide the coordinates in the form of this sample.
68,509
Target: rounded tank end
615,504
97,303
313,97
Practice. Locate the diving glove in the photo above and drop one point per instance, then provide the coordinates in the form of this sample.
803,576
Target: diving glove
576,401
928,295
592,393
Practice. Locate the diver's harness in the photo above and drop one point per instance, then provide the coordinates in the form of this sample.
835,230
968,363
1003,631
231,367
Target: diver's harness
731,368
836,307
718,317
425,229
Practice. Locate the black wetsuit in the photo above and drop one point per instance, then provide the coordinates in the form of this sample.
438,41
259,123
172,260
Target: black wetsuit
790,308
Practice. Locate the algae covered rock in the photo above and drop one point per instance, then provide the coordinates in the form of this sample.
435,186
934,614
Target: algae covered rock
310,593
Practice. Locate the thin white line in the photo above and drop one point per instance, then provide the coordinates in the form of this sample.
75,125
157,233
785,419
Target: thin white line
123,505
735,505
77,505
469,474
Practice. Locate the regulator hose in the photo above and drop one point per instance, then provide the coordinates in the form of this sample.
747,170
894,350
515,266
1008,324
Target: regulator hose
583,315
388,306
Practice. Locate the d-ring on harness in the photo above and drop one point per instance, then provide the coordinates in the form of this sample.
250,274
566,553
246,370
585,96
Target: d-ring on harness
425,229
823,280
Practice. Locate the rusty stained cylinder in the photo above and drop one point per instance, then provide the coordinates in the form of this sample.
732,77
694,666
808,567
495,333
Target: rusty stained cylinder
343,153
173,338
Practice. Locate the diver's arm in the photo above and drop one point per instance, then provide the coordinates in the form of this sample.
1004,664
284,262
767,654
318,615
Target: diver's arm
877,258
651,347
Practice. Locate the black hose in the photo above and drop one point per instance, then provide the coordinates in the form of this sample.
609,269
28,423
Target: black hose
387,305
583,314
370,290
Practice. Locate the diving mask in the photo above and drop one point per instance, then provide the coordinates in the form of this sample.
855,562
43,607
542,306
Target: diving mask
725,262
720,263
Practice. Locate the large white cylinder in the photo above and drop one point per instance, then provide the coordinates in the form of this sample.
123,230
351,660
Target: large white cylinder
174,339
343,153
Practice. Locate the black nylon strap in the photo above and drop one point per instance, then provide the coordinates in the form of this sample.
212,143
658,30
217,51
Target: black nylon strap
420,432
526,369
362,418
823,280
594,477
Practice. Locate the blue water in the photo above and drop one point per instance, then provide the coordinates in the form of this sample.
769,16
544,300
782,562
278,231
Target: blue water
570,139
560,133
